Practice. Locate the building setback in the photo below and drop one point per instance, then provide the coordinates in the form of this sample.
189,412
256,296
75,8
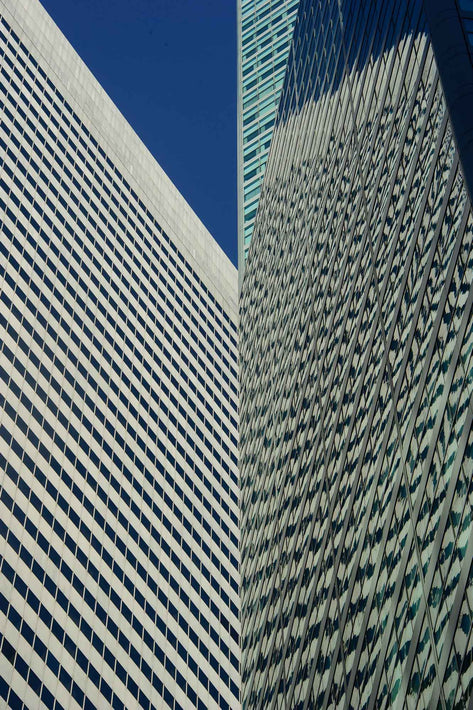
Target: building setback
264,37
118,422
356,355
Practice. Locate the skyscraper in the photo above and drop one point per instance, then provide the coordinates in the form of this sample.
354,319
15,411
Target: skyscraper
119,488
265,33
356,351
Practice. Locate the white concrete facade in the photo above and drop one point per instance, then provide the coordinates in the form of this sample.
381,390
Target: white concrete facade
119,529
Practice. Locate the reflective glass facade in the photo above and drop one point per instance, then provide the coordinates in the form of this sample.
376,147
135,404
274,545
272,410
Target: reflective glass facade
265,30
356,349
119,580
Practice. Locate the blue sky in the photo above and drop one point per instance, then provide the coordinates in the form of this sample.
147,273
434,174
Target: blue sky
170,67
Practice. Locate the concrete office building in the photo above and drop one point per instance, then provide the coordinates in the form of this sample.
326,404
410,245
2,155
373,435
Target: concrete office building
356,349
264,37
119,522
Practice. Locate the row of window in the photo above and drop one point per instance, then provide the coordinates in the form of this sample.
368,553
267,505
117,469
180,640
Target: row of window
278,11
117,459
45,653
12,699
61,219
24,58
351,498
128,530
50,660
66,325
112,408
100,303
72,431
110,589
102,293
120,263
61,257
265,42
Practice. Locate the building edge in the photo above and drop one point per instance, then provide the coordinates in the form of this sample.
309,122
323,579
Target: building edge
97,108
456,74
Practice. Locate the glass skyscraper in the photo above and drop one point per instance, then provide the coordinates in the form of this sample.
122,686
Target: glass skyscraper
264,38
356,352
119,524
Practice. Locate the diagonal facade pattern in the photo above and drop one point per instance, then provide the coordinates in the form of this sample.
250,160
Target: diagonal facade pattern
119,526
357,375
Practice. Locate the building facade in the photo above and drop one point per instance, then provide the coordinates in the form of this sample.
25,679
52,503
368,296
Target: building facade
356,356
118,422
264,37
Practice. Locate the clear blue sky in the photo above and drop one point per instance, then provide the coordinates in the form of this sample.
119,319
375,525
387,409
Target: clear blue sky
170,67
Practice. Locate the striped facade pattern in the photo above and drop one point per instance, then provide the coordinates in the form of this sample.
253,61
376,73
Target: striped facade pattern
119,524
265,32
356,349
